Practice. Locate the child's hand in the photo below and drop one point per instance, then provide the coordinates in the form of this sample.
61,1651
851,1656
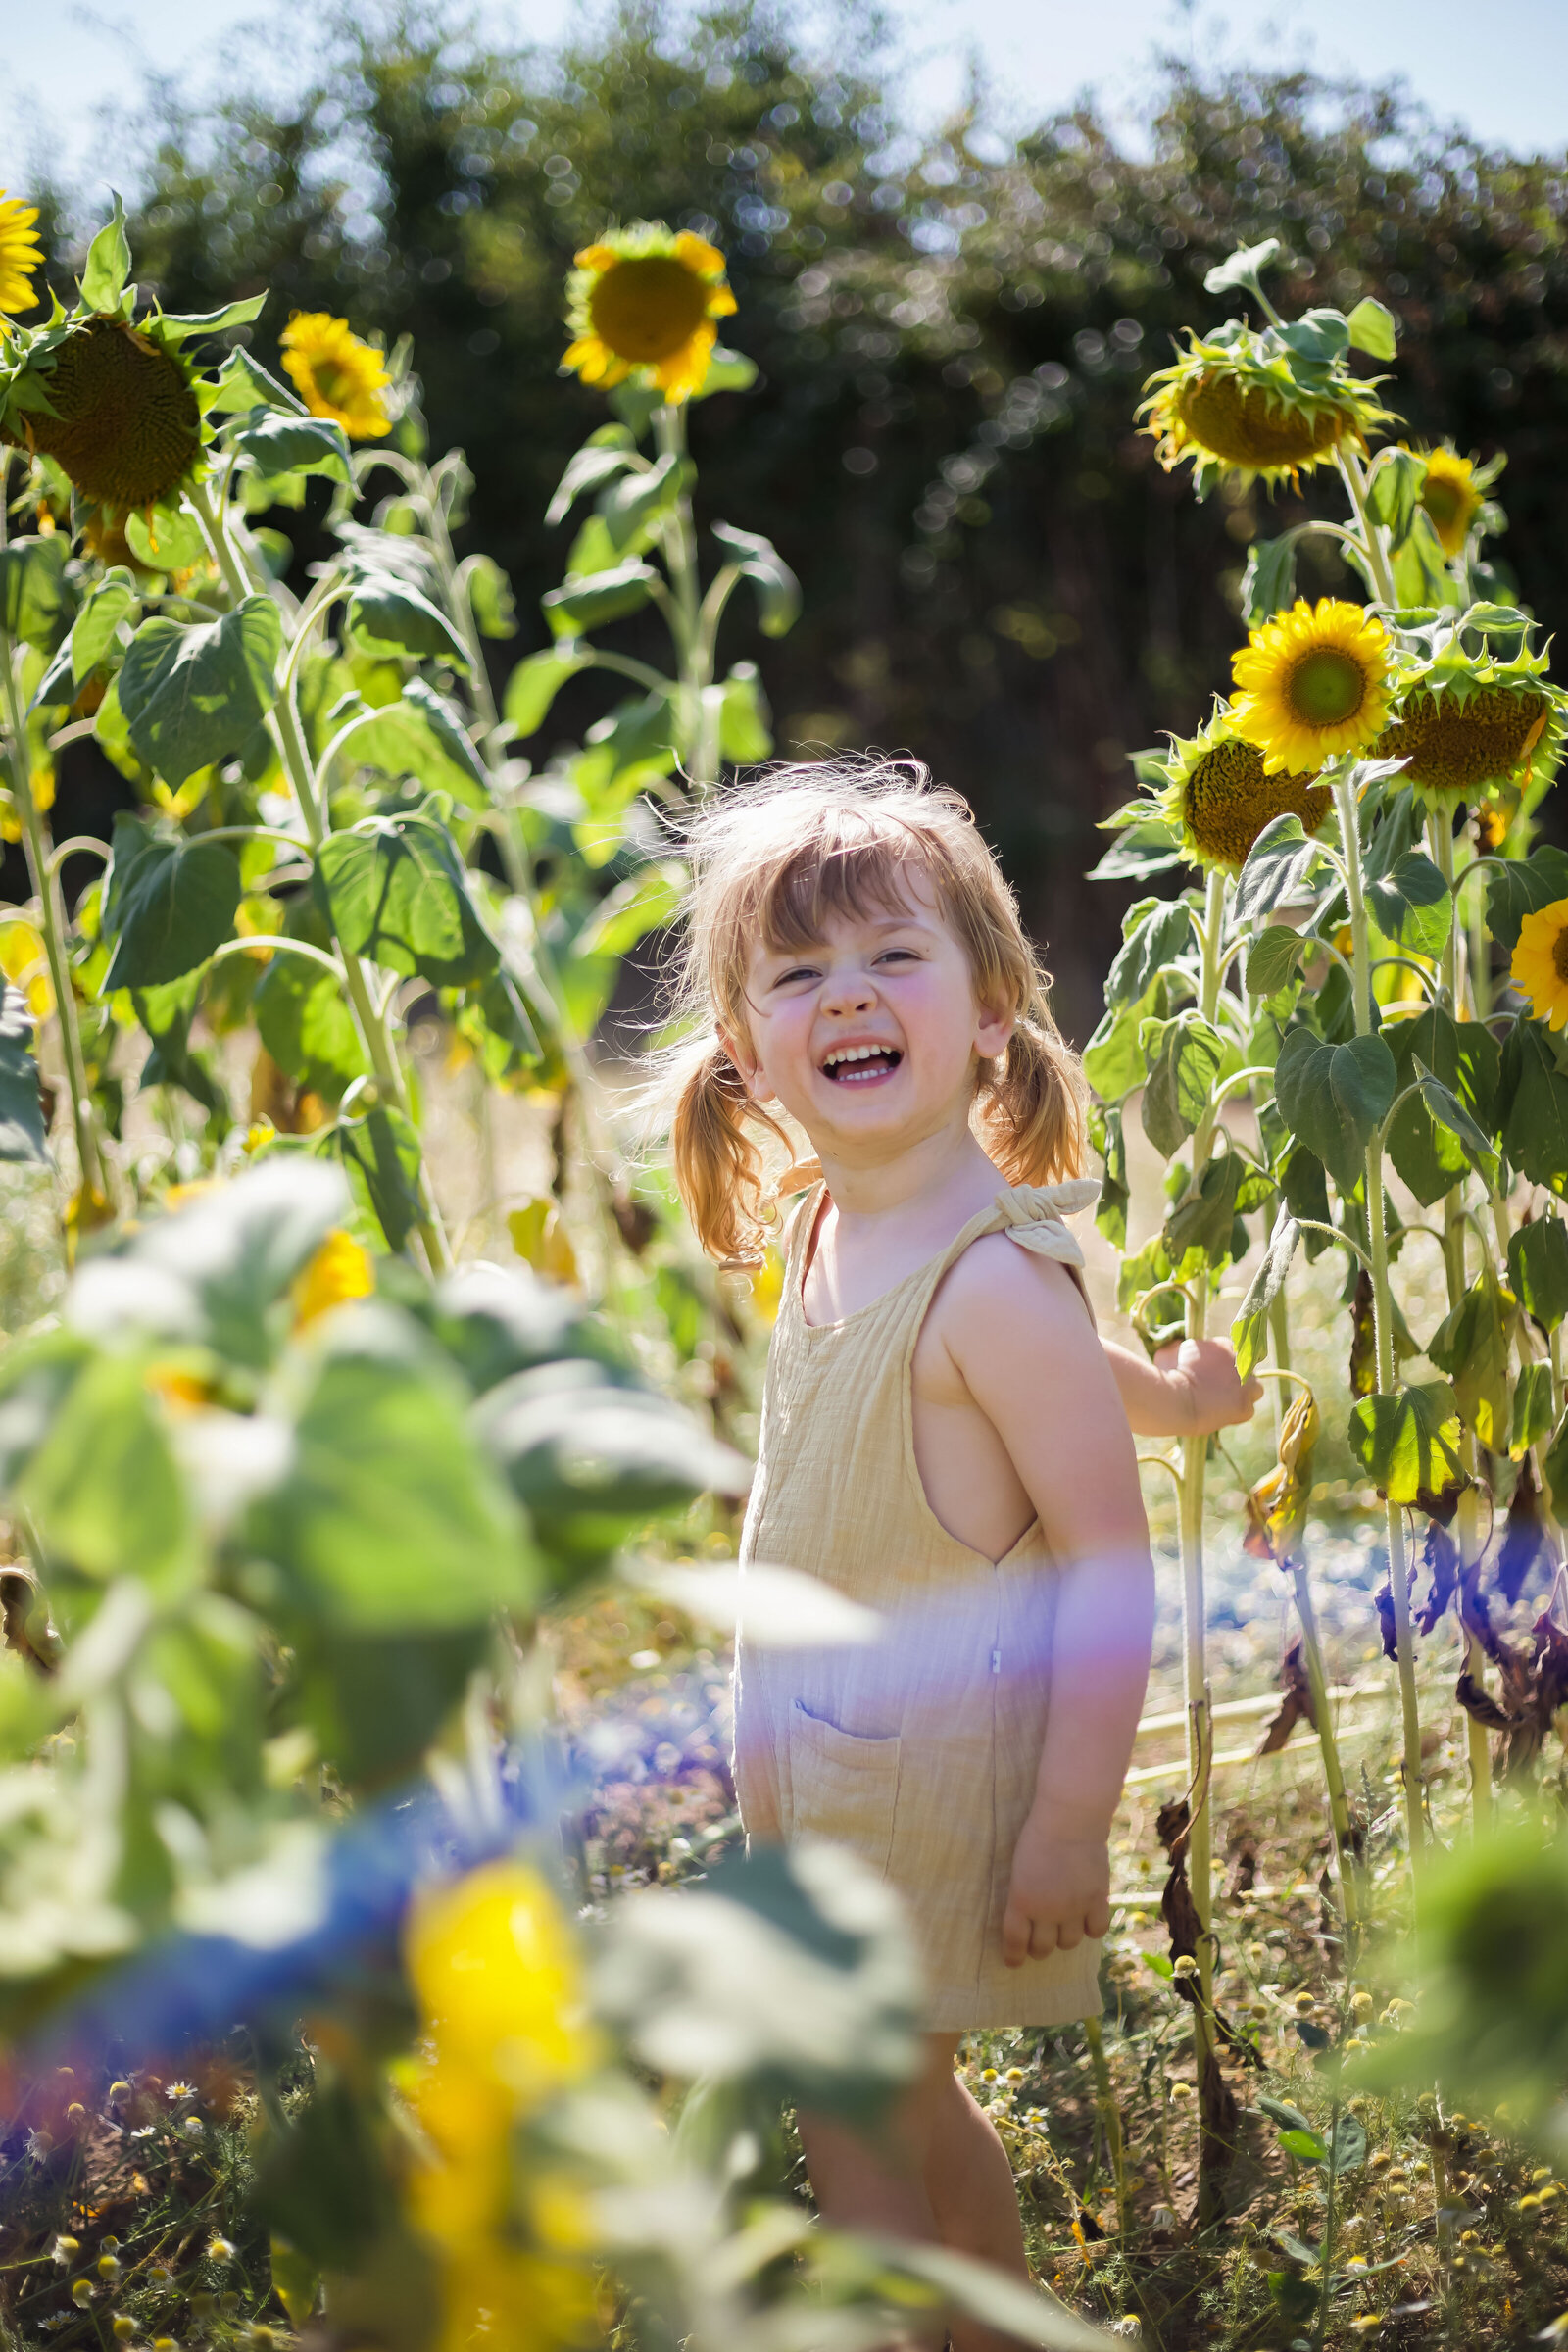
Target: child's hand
1209,1392
1060,1891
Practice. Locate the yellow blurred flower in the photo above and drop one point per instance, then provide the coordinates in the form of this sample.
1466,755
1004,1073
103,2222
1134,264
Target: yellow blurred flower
336,374
1450,497
340,1270
646,299
41,783
1540,966
20,253
496,1975
26,964
542,1241
1313,683
767,1286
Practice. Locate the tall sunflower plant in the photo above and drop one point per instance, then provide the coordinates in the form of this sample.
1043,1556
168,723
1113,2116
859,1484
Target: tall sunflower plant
1376,963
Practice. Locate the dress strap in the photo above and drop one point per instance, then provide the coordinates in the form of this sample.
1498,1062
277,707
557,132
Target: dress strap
1032,1215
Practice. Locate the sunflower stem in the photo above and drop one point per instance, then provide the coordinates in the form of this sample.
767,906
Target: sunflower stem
1371,540
45,881
1382,1324
693,630
1189,1516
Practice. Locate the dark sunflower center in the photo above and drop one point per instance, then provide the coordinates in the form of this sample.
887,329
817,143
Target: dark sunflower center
335,384
1326,688
1246,424
127,426
1559,953
646,308
1230,800
1465,746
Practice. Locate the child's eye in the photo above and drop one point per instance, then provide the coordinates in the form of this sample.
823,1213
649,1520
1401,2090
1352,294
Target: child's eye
898,954
798,971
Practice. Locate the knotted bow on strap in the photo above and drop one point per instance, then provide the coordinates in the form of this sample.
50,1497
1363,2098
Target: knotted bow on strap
1032,1217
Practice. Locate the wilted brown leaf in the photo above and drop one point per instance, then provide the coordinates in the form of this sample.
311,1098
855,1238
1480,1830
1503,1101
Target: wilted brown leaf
1295,1707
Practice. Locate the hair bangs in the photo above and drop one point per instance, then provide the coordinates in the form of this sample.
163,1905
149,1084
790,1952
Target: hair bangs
856,870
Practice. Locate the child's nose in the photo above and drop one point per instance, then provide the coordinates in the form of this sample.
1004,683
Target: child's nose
849,992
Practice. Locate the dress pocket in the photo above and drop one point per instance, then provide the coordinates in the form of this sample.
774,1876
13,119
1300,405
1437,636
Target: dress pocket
843,1787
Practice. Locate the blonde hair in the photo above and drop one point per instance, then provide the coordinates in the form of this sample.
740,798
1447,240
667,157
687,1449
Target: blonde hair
771,860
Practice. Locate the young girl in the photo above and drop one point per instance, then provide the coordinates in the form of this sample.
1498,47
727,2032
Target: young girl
943,1435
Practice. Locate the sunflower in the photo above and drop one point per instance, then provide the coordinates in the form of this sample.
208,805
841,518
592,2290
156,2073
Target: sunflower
1239,402
644,299
1220,796
123,420
1540,966
1451,497
336,374
1314,682
20,253
1469,726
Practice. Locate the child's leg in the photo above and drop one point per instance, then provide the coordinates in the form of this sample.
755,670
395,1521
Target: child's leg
937,2173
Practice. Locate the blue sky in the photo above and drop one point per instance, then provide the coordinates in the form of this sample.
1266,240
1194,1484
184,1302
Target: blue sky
1502,70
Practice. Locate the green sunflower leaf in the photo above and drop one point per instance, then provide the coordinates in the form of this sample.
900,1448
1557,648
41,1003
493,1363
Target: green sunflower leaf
1532,1407
535,683
1374,328
1107,1137
1273,957
1408,1443
744,731
1157,938
778,591
1429,1153
1522,886
630,504
727,372
1185,1057
388,616
394,888
1334,1098
379,1150
580,604
1413,904
609,452
1535,1128
191,695
279,443
108,264
1148,846
36,600
1538,1269
167,903
1269,584
490,597
1449,1113
303,1019
1250,1330
109,601
1280,867
1472,1345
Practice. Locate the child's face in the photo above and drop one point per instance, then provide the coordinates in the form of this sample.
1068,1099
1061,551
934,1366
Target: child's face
869,1038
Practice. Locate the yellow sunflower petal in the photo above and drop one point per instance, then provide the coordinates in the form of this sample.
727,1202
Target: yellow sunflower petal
1313,683
1539,969
697,254
336,374
20,253
678,378
596,257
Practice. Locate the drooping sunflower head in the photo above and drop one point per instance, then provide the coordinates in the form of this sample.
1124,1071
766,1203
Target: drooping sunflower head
123,418
1239,402
20,253
1451,496
1313,684
1220,796
1540,966
1470,727
336,374
644,301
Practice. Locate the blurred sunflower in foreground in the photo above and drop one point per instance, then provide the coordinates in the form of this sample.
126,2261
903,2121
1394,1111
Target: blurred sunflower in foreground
1221,795
1313,683
495,1970
646,299
338,375
20,253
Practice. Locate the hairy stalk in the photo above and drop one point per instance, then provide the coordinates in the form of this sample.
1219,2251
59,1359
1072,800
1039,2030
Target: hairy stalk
1352,1888
1383,1326
693,630
371,1021
1190,1513
45,881
1368,535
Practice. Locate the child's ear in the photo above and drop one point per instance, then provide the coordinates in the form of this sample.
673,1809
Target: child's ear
748,1068
993,1029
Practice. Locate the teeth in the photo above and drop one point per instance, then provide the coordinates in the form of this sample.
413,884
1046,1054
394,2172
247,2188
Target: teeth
853,1054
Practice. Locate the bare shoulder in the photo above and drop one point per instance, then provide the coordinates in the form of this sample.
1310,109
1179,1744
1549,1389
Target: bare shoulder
998,1295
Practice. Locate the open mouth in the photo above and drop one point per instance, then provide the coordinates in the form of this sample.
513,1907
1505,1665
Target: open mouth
857,1066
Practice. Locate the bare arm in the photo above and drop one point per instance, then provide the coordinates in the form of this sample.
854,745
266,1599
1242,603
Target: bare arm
1018,1338
1191,1390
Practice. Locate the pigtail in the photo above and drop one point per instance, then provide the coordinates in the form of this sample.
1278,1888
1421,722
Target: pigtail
1033,1105
719,1168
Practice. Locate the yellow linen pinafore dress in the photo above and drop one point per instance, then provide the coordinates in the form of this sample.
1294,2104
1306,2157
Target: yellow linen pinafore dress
919,1750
